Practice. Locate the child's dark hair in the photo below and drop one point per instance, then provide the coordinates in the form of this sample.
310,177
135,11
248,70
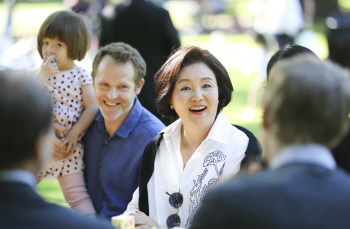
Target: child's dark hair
69,28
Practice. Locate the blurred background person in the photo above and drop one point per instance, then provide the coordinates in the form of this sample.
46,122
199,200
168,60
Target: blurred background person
275,24
286,52
282,19
26,136
338,37
306,108
341,152
149,29
255,164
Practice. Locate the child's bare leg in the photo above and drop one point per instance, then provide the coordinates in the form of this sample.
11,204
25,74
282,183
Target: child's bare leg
75,193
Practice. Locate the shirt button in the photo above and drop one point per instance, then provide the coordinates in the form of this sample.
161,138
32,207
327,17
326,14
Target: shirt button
99,165
100,189
106,142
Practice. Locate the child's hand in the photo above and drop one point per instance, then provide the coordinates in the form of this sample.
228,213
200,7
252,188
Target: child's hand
70,139
48,69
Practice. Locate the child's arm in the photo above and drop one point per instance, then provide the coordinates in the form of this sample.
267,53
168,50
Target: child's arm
86,118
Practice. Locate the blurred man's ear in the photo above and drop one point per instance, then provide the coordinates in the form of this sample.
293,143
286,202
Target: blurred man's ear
265,123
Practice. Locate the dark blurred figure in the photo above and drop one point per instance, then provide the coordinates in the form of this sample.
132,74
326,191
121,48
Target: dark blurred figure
287,51
25,139
149,29
305,113
280,19
255,164
341,152
338,36
81,6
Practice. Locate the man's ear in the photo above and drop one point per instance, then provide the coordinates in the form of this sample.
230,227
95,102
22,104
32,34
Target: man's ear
139,86
265,123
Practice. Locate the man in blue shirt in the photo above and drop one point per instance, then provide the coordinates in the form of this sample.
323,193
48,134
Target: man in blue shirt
114,143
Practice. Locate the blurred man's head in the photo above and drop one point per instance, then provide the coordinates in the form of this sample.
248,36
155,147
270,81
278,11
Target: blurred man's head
285,52
307,101
25,122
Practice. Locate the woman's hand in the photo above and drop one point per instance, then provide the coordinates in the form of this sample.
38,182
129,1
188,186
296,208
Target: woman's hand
48,69
142,221
59,150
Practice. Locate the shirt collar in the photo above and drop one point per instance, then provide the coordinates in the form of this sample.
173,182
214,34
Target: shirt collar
18,175
311,153
129,123
216,133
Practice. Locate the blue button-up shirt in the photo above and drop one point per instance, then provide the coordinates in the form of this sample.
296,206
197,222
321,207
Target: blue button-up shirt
112,163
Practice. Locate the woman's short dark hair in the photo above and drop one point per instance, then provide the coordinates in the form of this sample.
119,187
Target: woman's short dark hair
69,28
287,51
168,74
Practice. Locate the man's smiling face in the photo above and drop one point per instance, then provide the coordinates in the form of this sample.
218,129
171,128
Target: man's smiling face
115,89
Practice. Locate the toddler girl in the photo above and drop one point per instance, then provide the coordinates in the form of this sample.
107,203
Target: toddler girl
63,38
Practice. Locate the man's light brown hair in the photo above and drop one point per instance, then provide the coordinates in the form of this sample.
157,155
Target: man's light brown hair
121,53
69,28
307,100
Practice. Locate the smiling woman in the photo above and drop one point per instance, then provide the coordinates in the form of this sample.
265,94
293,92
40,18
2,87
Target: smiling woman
198,151
195,96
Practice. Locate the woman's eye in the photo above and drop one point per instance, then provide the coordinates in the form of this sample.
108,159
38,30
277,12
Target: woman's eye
123,86
186,88
59,45
45,43
206,86
104,84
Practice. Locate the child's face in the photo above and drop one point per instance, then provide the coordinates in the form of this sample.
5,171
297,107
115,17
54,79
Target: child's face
60,50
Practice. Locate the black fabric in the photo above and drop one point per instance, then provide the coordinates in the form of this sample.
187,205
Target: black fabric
21,207
149,154
296,195
254,149
341,153
146,171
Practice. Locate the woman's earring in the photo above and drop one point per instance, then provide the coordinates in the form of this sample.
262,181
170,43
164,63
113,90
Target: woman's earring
171,106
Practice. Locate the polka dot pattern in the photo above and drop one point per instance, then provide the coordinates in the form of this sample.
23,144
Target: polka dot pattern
72,164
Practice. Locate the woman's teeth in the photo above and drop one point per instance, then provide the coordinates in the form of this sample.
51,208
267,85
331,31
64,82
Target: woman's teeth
198,108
